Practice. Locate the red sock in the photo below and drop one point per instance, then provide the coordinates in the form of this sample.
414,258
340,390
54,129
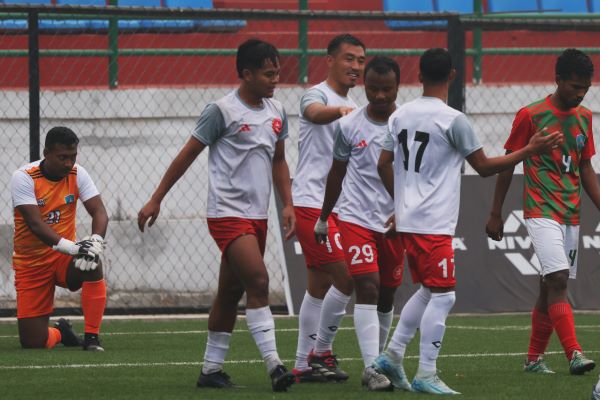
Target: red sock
562,321
93,301
54,337
541,330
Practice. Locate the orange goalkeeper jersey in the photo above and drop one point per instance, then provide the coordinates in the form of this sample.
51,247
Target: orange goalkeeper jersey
57,202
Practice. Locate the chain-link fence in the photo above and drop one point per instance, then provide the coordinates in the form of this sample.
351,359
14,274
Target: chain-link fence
519,53
132,82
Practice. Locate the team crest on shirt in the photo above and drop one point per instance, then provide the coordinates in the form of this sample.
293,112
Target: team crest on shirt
362,144
277,126
244,128
70,198
398,271
41,202
580,139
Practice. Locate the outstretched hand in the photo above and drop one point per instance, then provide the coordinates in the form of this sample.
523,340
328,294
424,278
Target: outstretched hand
149,212
544,142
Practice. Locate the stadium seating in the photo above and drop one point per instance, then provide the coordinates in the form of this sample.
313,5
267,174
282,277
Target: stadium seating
15,23
202,25
460,6
507,6
208,25
564,6
425,6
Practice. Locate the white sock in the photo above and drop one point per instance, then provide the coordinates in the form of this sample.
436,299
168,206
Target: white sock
598,386
308,319
366,325
433,326
262,328
385,324
410,319
217,345
332,312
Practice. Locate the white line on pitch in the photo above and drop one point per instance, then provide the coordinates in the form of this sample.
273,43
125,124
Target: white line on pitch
255,361
343,328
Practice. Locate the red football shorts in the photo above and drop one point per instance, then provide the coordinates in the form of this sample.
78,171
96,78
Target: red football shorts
226,230
35,286
369,251
430,259
317,254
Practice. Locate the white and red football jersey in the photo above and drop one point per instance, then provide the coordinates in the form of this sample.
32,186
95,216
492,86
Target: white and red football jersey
359,141
241,142
430,141
315,144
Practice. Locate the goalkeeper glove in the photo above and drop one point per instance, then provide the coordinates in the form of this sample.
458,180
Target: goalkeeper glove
321,230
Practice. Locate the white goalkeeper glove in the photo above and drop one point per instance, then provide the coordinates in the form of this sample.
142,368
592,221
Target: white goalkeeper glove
89,261
321,231
70,248
98,243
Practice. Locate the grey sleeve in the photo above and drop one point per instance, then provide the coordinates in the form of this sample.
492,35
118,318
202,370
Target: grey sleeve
210,126
311,96
341,147
461,135
388,142
284,127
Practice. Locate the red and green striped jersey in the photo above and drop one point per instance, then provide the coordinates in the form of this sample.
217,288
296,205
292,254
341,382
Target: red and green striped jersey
552,183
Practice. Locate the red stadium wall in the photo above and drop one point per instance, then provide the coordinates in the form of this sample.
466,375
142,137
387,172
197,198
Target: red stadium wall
63,72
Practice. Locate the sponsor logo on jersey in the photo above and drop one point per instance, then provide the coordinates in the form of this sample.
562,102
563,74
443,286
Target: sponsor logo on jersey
362,144
244,128
41,202
70,198
580,139
277,126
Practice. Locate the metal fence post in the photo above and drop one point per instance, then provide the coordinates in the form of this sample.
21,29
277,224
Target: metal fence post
34,86
303,45
457,49
113,47
477,44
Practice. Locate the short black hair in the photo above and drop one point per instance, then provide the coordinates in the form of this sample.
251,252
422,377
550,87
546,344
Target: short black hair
253,53
574,62
60,135
382,65
347,38
435,65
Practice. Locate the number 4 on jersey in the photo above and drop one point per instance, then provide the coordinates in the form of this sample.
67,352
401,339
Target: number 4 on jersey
422,137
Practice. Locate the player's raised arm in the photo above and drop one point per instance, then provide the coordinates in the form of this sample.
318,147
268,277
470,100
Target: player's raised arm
541,142
321,114
179,165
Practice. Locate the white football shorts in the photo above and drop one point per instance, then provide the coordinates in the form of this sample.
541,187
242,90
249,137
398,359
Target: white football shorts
555,245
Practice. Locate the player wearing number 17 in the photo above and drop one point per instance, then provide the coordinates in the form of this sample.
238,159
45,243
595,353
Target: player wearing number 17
429,141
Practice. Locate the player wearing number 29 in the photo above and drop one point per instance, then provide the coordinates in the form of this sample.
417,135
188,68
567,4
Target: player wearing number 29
44,196
429,141
374,260
551,203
